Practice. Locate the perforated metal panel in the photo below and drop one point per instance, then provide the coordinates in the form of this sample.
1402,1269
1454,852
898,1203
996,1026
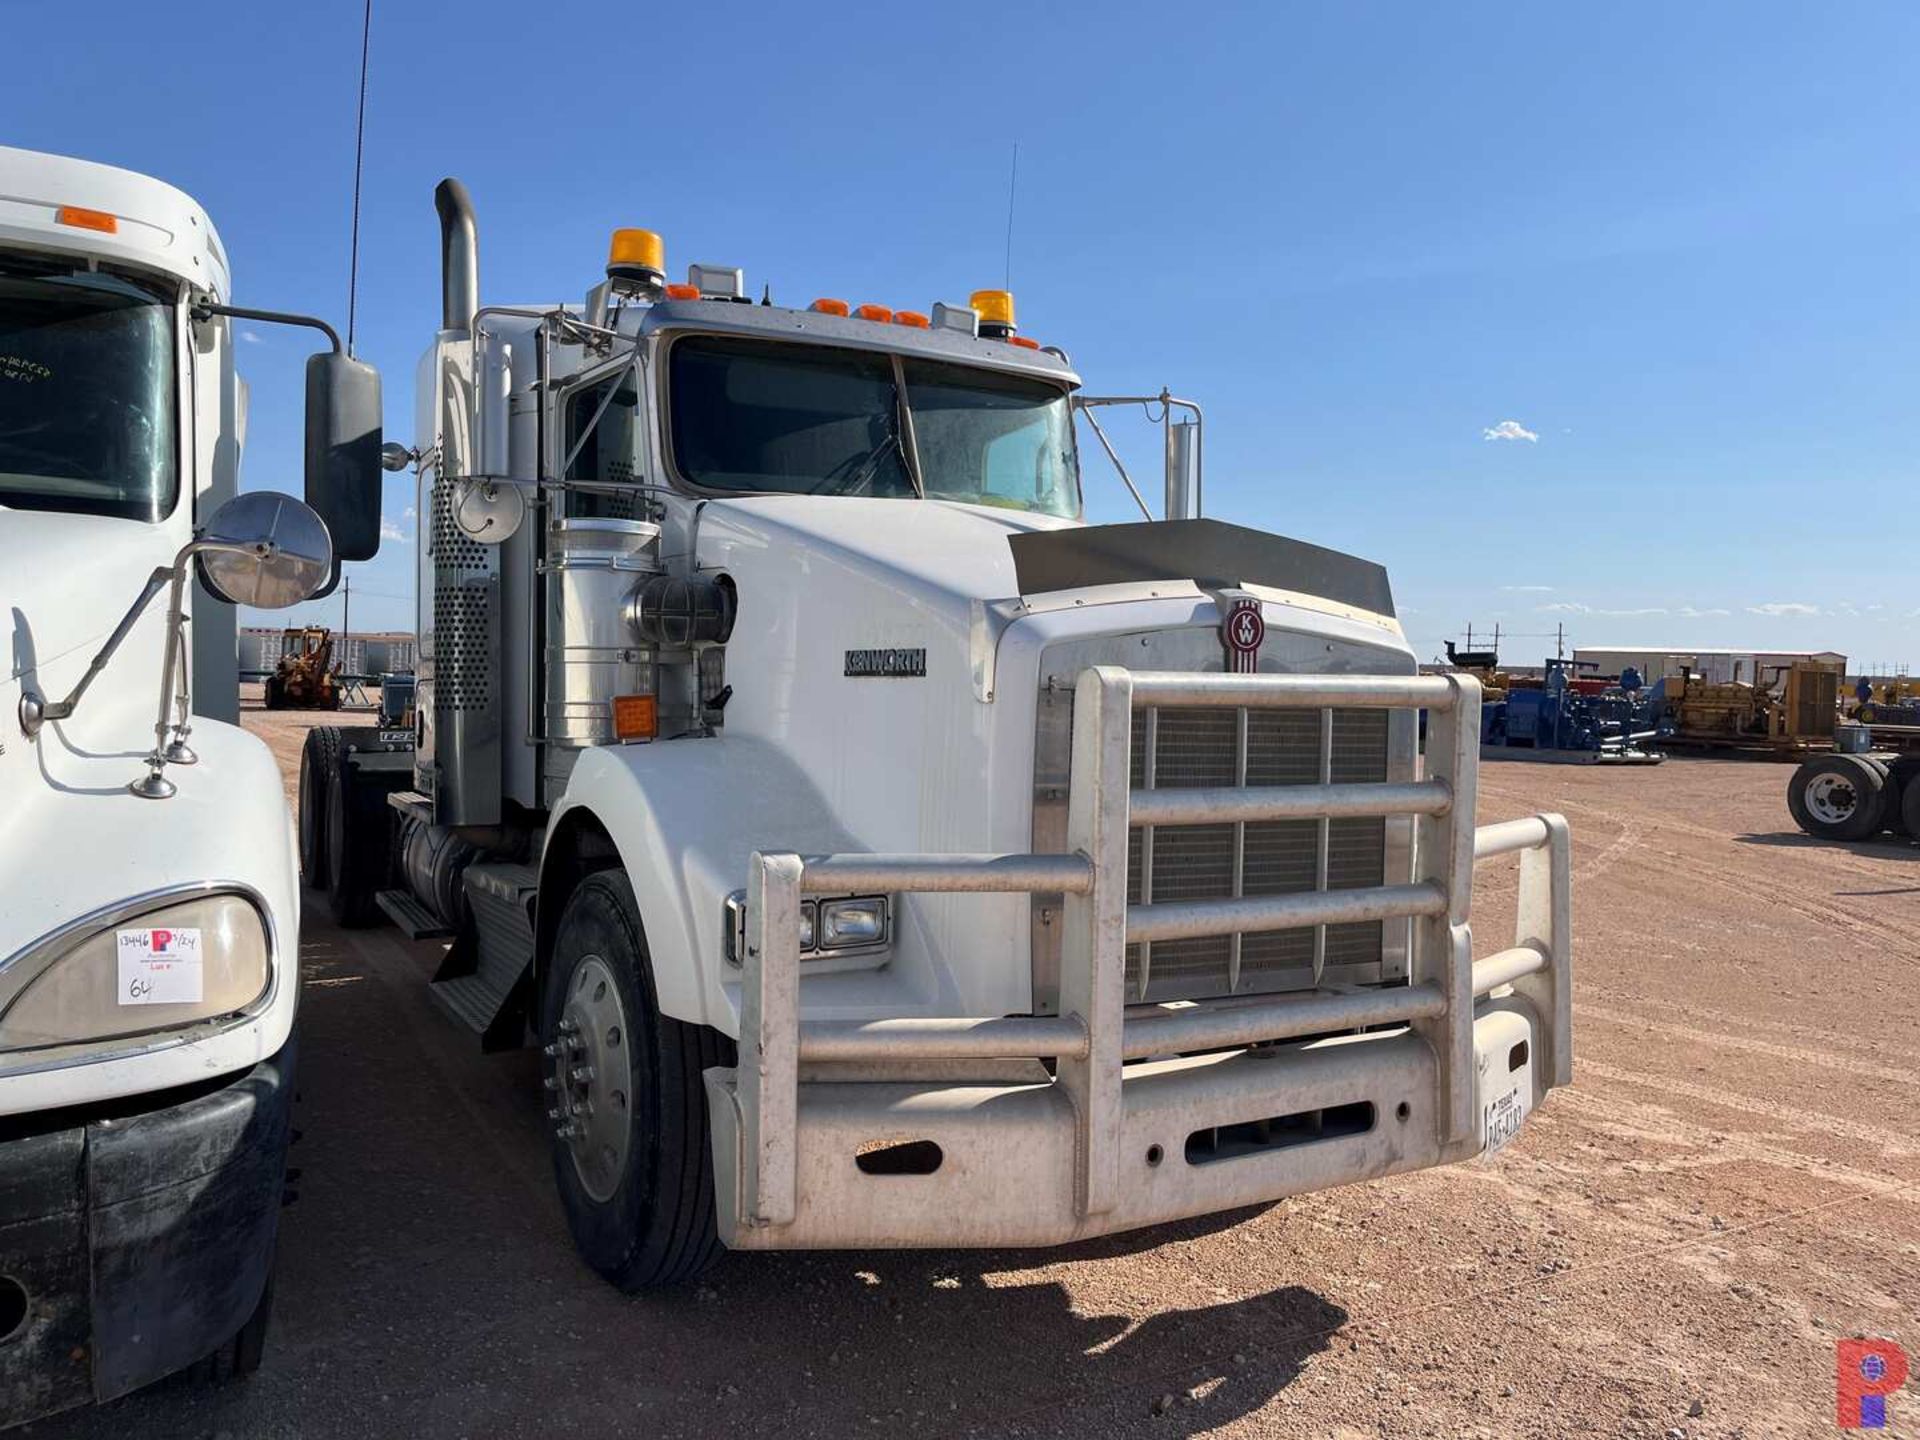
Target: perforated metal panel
460,763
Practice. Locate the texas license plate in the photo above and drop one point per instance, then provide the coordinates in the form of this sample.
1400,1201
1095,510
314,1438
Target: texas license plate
1503,1115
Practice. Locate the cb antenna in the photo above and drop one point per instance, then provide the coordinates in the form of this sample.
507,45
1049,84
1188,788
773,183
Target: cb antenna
1013,182
359,151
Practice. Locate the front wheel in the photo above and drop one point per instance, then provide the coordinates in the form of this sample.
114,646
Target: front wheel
631,1153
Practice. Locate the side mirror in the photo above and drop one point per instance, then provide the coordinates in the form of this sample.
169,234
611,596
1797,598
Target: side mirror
264,549
343,452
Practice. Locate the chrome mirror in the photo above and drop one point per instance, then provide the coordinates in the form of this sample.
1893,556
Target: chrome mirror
264,549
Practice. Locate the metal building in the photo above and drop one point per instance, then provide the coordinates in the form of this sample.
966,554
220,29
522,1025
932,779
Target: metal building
1718,667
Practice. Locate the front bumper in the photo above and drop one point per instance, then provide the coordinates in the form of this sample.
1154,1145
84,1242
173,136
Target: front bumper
137,1240
948,1132
1197,1135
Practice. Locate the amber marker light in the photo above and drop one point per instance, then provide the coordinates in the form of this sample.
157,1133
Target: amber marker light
829,307
913,319
879,313
635,717
83,219
683,292
1023,342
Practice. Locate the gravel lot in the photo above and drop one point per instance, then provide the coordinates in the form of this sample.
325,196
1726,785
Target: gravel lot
1671,1248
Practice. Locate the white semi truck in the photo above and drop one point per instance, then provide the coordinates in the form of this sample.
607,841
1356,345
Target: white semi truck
149,893
880,854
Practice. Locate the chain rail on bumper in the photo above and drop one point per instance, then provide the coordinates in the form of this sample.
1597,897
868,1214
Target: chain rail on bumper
1430,1066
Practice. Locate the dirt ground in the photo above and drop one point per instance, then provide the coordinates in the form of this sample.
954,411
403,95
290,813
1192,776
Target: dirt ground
1670,1249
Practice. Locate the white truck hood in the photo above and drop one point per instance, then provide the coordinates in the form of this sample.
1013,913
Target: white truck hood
921,548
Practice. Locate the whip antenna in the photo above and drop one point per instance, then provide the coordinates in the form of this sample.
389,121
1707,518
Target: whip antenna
359,151
1013,180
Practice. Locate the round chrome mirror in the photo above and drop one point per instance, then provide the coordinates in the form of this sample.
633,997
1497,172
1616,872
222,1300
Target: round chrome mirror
489,511
281,551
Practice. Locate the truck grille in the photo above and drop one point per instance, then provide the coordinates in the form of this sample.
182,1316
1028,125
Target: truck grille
1214,747
1186,748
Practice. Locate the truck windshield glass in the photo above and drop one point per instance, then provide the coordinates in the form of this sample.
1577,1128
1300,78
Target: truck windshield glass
87,396
992,439
757,416
800,419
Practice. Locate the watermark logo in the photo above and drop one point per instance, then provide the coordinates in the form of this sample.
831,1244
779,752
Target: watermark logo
1865,1373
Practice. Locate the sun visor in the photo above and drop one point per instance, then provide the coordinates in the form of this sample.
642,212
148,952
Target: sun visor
1211,553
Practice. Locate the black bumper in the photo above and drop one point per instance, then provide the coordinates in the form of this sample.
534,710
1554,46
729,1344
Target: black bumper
140,1234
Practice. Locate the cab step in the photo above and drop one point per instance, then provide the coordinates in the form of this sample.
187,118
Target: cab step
486,981
416,922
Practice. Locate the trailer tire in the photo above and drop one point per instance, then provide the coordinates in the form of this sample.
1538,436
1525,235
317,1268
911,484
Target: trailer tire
319,757
359,843
637,1181
1910,805
1838,797
240,1355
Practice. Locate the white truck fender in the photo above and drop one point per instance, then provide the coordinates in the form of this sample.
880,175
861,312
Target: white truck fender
672,813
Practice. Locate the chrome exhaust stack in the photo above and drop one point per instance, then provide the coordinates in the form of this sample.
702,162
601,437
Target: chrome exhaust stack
459,256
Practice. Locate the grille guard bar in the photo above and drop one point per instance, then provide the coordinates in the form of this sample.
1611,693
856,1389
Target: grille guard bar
1092,1038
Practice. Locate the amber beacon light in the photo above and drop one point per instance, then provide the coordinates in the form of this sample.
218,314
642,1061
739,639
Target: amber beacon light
995,309
638,257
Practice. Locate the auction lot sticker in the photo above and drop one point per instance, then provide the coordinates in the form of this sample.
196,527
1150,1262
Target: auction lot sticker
160,967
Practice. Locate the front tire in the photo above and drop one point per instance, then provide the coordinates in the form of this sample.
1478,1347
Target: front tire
631,1152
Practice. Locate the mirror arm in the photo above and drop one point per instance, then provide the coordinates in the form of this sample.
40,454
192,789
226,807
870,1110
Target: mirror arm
35,712
206,309
154,785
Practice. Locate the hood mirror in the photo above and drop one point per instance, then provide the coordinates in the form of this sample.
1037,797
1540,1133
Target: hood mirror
264,549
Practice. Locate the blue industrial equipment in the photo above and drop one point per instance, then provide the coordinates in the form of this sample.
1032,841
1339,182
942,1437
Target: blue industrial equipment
1560,721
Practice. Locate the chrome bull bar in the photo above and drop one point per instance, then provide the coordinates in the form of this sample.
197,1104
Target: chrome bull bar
1092,1037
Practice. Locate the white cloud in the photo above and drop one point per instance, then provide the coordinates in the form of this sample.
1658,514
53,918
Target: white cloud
253,337
407,514
1509,430
1779,608
1577,607
1530,589
1689,612
390,531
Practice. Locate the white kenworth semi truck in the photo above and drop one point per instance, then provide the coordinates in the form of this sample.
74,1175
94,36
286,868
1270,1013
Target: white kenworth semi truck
881,855
149,894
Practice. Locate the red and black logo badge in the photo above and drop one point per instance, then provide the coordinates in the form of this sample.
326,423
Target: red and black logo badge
1243,632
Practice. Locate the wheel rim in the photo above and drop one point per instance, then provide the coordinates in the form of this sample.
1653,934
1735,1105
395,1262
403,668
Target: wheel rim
1831,799
588,1077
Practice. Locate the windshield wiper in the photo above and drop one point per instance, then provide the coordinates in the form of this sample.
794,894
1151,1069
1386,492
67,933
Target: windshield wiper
865,467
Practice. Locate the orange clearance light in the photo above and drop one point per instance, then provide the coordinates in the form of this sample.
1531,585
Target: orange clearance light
635,717
911,318
84,219
683,292
829,307
875,312
1023,342
994,307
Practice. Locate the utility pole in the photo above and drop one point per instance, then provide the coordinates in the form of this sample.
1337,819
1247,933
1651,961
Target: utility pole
346,618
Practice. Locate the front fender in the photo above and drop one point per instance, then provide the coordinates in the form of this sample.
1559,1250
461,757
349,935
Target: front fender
685,818
79,843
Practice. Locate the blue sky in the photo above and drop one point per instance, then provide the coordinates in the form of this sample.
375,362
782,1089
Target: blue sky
1673,245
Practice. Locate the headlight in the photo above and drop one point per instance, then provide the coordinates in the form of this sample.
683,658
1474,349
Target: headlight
829,929
847,924
162,968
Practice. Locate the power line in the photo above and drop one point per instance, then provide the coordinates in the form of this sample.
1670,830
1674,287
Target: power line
359,151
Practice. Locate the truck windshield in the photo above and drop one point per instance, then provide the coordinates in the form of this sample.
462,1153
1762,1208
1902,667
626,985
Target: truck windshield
757,416
87,396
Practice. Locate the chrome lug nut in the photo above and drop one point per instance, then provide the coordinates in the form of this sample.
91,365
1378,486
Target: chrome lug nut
580,1074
